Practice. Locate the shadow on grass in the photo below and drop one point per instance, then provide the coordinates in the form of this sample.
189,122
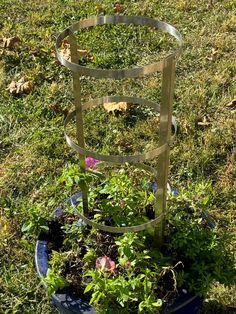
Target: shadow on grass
215,307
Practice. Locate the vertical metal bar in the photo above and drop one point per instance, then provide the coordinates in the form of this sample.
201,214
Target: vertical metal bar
78,108
164,137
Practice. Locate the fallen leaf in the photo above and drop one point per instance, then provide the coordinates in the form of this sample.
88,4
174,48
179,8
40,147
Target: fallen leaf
57,109
155,120
35,50
202,121
26,87
82,53
231,104
99,8
65,43
66,52
118,7
119,106
10,42
12,87
215,54
124,143
53,55
2,145
20,87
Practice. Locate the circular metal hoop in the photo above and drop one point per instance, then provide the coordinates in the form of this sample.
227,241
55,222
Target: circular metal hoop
118,19
113,158
111,229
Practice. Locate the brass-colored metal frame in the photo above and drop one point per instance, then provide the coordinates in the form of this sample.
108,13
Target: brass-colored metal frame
113,158
167,67
118,19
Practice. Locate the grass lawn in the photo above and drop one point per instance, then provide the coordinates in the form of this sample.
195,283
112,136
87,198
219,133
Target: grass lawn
33,151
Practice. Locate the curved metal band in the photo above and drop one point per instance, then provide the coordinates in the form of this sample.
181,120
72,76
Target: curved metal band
140,166
113,158
117,19
111,229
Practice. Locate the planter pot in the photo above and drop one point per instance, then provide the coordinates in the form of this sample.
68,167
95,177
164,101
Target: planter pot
68,302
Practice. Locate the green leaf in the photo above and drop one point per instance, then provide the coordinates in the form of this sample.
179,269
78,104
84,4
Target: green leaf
141,306
27,226
97,216
122,261
89,256
127,251
88,287
206,200
95,297
45,228
158,303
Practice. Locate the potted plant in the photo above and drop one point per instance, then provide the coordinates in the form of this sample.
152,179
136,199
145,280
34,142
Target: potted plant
91,271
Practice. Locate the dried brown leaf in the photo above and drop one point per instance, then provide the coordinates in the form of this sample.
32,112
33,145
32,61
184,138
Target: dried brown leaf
57,109
231,104
154,121
82,53
99,8
66,53
35,51
215,54
116,106
118,8
26,87
20,87
10,42
202,121
12,87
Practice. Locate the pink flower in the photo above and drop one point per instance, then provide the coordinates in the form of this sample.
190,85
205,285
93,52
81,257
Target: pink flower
90,162
127,264
122,203
105,263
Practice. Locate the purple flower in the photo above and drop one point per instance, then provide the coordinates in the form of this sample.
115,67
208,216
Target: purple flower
105,263
127,265
90,162
122,203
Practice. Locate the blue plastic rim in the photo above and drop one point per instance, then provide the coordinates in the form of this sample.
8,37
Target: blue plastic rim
68,302
65,301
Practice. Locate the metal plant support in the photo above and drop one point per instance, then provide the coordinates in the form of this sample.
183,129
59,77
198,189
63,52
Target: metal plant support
167,67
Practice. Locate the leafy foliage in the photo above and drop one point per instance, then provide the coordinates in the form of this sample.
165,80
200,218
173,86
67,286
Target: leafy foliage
127,287
205,251
54,281
138,275
36,222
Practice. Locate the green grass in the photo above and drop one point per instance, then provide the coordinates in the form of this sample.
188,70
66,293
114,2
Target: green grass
33,151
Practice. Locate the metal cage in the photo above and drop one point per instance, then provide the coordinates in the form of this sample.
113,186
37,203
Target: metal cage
167,67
